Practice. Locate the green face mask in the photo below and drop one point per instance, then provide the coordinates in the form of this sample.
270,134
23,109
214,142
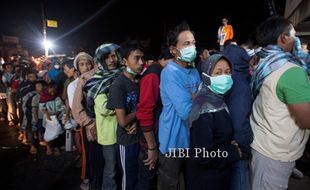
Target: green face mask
188,54
130,71
220,84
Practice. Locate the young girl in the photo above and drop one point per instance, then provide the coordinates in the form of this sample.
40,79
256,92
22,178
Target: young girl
51,104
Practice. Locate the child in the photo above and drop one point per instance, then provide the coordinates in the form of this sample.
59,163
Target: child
51,104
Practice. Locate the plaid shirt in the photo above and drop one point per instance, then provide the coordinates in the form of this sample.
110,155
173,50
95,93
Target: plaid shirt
273,58
99,84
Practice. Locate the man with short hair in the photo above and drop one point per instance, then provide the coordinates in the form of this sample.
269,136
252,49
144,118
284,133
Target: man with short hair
280,115
108,60
123,98
179,83
149,109
203,54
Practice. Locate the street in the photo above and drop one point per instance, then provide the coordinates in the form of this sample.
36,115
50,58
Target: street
20,170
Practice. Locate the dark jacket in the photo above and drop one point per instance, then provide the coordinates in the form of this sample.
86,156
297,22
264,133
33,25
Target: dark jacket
239,99
239,58
213,132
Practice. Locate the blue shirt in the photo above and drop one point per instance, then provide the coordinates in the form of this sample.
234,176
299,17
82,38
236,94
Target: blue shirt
53,74
177,86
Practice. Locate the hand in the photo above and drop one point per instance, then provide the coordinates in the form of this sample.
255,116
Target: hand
132,129
152,156
48,116
91,133
66,118
57,113
194,96
237,145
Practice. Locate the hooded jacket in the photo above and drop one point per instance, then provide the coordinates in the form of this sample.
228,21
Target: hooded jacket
239,99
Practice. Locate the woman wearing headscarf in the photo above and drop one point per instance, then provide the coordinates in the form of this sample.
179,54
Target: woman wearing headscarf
84,64
212,147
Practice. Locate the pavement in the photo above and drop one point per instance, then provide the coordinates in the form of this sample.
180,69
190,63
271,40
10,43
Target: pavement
21,171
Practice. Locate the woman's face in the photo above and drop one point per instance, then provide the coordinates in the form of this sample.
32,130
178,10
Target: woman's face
84,65
221,68
69,72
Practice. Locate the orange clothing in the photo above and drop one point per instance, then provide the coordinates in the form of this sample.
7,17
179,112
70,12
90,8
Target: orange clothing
225,33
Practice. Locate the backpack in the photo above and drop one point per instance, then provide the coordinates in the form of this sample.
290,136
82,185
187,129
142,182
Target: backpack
24,88
27,108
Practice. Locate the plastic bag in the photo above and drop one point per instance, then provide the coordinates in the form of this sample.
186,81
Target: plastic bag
70,124
52,129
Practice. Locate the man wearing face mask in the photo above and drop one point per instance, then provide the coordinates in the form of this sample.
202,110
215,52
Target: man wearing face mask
123,98
178,84
280,116
54,72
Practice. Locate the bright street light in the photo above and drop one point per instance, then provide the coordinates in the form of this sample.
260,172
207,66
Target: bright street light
47,44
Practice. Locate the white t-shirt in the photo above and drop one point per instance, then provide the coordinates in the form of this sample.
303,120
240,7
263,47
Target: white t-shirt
71,90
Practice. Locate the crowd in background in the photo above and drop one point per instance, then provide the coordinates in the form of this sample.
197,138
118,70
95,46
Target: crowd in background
128,111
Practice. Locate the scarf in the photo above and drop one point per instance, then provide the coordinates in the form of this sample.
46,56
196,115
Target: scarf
46,97
206,102
273,58
99,84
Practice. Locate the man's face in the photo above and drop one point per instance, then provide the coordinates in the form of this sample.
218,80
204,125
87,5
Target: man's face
185,39
31,77
204,56
150,62
111,60
291,39
224,21
288,40
134,61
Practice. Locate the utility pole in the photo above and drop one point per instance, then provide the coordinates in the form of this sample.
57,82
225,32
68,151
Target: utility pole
44,28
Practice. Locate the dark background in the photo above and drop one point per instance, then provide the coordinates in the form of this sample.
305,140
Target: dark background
120,20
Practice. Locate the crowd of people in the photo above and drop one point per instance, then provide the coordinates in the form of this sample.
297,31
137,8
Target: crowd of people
234,119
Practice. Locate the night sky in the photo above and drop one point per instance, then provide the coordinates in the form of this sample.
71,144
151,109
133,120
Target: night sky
120,20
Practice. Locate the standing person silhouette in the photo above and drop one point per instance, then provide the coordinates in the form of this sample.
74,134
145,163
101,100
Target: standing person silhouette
225,32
